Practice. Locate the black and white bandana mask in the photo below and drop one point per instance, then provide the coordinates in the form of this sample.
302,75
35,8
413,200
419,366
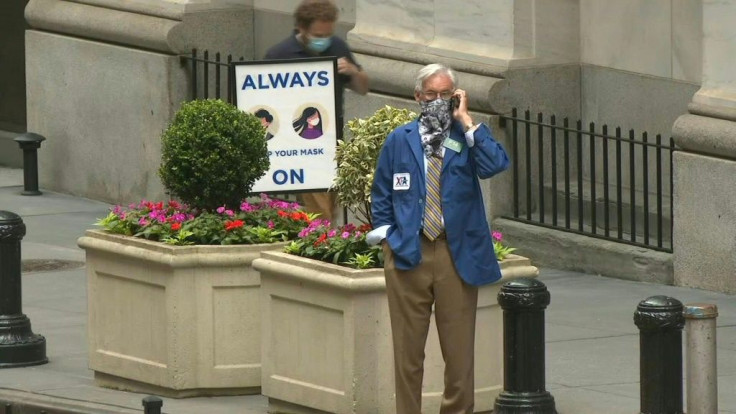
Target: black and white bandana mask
434,125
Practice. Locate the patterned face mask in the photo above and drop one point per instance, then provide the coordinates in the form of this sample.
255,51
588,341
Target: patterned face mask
434,125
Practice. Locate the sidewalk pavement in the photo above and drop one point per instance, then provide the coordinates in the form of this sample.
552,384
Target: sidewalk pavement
592,347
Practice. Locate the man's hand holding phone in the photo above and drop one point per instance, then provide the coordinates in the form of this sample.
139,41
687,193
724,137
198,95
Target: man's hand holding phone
460,108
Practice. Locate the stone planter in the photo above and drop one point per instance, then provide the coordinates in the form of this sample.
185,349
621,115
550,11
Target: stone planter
327,339
173,320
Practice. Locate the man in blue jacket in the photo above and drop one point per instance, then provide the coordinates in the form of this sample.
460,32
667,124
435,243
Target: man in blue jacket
428,212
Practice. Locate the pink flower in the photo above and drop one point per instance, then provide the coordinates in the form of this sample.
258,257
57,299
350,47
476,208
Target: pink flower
332,233
143,222
246,206
316,223
345,235
220,210
358,234
230,213
497,236
270,224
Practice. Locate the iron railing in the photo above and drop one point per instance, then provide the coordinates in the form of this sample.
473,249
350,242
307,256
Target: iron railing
589,182
209,75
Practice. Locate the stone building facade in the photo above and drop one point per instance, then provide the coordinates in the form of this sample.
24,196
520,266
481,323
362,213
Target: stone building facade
103,78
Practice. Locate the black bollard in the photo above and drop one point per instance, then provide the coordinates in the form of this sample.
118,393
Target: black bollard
30,143
19,346
152,405
660,321
523,302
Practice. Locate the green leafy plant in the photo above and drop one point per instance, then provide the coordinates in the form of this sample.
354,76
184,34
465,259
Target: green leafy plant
212,153
357,158
265,221
498,247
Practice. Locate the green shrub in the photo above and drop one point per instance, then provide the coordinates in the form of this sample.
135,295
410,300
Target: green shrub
357,158
212,154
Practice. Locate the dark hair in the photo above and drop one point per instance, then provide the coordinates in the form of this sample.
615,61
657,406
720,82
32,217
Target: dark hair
310,11
300,124
262,113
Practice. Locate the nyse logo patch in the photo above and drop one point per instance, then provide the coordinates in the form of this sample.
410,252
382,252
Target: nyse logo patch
402,181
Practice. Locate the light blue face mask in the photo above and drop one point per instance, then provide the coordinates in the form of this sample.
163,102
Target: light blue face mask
319,44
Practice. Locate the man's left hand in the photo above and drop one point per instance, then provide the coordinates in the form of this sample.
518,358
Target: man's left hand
460,113
345,67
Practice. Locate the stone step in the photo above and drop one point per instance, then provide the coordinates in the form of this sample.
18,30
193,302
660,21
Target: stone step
652,216
10,177
562,250
10,153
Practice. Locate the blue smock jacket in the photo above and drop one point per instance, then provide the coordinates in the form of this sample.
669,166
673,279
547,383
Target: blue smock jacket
398,197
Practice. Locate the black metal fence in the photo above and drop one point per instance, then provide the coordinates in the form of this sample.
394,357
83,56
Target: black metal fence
590,182
210,78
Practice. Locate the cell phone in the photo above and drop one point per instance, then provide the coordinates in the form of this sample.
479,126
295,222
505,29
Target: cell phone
454,103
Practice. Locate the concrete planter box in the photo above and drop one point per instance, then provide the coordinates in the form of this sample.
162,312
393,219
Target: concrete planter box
173,320
327,339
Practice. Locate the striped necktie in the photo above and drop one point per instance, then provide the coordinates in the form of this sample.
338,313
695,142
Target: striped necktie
433,206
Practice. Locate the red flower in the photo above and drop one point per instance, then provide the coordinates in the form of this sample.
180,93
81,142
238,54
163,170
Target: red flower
364,228
159,205
174,204
175,226
321,240
234,224
282,213
299,216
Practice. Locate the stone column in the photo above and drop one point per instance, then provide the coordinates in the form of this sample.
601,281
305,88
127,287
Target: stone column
507,53
104,78
704,194
489,37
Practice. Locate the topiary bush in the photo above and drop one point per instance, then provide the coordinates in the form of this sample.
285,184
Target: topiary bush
212,153
357,158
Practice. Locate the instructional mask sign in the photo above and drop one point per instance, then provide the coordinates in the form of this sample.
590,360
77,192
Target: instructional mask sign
296,103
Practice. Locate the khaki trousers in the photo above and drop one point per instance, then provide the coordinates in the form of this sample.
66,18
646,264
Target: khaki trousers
410,297
322,203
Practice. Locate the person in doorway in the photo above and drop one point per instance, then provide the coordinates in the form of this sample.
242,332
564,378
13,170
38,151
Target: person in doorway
429,215
314,35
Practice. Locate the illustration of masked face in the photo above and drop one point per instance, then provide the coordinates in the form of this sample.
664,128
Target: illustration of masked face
313,120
